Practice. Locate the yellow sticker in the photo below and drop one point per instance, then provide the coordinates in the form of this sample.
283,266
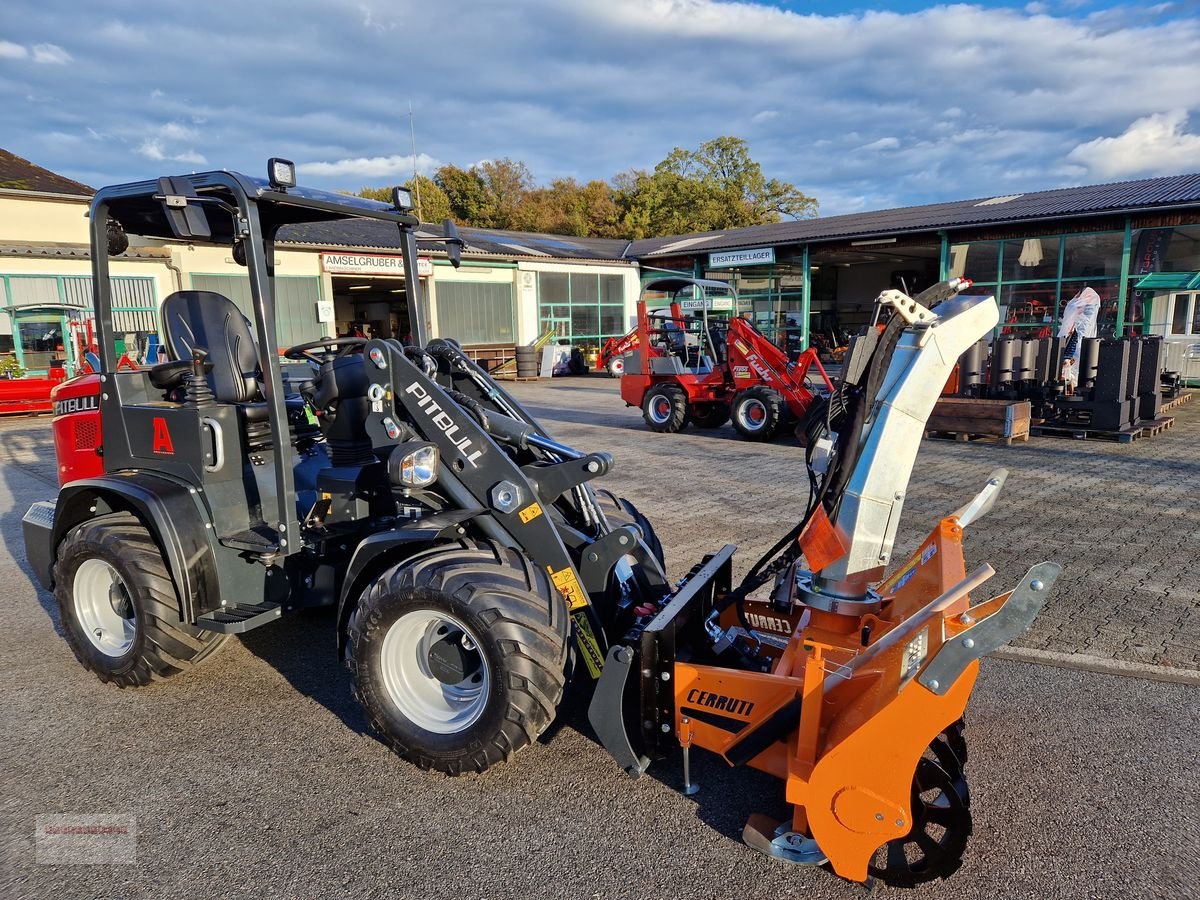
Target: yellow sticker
568,585
529,513
589,648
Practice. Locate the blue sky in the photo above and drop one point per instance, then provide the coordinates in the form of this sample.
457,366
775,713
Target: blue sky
864,107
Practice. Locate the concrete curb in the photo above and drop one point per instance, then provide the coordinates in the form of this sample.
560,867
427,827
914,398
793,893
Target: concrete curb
1099,664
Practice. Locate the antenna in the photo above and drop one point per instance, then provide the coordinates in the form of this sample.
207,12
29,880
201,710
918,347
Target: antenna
412,133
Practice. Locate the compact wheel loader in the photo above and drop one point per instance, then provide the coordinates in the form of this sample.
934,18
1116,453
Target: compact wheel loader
475,569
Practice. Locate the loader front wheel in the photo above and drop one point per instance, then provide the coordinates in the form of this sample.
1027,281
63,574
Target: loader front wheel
665,408
758,413
458,656
119,607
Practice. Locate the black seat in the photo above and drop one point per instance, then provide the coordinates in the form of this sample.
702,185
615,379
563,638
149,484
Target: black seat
209,320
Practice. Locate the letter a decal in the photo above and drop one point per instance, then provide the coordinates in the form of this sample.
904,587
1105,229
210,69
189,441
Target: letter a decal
162,437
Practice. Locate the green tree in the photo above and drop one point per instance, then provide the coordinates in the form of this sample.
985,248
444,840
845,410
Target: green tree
466,193
433,204
717,186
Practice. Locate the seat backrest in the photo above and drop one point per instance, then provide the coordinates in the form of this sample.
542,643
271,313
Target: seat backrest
210,320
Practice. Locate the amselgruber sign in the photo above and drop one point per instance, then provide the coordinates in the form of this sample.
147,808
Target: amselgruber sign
371,264
757,256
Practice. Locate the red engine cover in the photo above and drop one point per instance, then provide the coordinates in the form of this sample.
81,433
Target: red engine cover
76,425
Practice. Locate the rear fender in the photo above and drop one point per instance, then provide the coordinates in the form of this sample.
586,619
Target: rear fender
383,549
175,516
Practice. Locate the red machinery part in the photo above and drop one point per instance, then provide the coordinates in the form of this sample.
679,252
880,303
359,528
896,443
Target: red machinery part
76,427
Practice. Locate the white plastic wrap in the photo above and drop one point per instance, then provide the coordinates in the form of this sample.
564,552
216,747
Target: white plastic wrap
1079,318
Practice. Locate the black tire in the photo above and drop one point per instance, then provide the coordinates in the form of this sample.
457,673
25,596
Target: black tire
620,511
709,415
616,367
758,413
161,644
665,408
518,625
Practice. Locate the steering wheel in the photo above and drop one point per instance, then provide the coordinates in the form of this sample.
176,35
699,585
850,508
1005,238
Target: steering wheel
334,348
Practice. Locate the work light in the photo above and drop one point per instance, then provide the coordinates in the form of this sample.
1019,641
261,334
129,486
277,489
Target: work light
414,464
402,199
281,172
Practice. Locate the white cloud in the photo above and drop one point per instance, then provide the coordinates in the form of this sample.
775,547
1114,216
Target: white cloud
50,54
884,143
9,50
1153,145
765,116
371,167
152,149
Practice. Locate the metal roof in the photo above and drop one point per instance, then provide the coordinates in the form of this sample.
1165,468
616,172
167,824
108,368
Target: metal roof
479,241
1122,197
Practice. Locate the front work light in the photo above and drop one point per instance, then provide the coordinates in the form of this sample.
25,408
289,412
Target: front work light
402,199
413,464
281,172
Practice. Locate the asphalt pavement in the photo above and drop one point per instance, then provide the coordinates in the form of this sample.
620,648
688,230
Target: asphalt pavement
255,775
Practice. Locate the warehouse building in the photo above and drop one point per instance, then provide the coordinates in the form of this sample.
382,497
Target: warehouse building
1137,243
337,278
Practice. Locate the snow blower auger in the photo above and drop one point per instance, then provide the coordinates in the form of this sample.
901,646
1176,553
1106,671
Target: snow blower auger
849,688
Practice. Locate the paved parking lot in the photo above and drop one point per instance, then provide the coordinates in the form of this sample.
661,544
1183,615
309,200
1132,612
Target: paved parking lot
255,775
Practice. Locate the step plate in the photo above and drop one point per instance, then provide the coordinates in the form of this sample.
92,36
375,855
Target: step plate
237,619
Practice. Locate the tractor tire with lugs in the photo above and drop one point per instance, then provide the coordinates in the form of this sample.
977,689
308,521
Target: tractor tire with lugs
758,413
620,512
119,607
458,655
665,408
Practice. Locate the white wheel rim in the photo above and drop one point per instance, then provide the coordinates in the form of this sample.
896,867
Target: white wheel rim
104,608
617,367
752,415
419,695
660,409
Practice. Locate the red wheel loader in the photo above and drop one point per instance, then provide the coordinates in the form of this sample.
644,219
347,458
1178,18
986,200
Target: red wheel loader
700,363
471,561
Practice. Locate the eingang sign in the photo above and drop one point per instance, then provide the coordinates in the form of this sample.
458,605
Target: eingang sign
371,264
758,256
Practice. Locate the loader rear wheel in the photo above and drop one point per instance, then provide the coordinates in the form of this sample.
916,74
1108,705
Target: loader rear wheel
934,845
458,655
710,415
665,408
758,413
119,607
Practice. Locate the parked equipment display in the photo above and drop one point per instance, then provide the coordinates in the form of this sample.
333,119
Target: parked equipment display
1102,384
701,364
472,563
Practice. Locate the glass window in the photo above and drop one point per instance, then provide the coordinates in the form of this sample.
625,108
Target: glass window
612,320
612,289
585,289
1030,259
979,261
1195,317
1029,304
1179,314
1183,251
1093,255
553,287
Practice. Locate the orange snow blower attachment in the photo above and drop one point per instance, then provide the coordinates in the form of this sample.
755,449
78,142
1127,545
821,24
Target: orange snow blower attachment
848,686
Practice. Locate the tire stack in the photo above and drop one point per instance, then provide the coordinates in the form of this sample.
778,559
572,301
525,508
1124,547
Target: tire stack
527,362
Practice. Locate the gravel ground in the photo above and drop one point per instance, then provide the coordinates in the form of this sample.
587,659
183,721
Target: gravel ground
255,776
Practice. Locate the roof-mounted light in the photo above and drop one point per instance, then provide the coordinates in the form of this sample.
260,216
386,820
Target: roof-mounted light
281,172
402,199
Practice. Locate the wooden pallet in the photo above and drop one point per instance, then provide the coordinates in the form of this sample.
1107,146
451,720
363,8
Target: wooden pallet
969,436
1083,433
1159,425
1178,400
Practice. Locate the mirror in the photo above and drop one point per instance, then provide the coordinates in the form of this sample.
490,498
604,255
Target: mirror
454,243
187,220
